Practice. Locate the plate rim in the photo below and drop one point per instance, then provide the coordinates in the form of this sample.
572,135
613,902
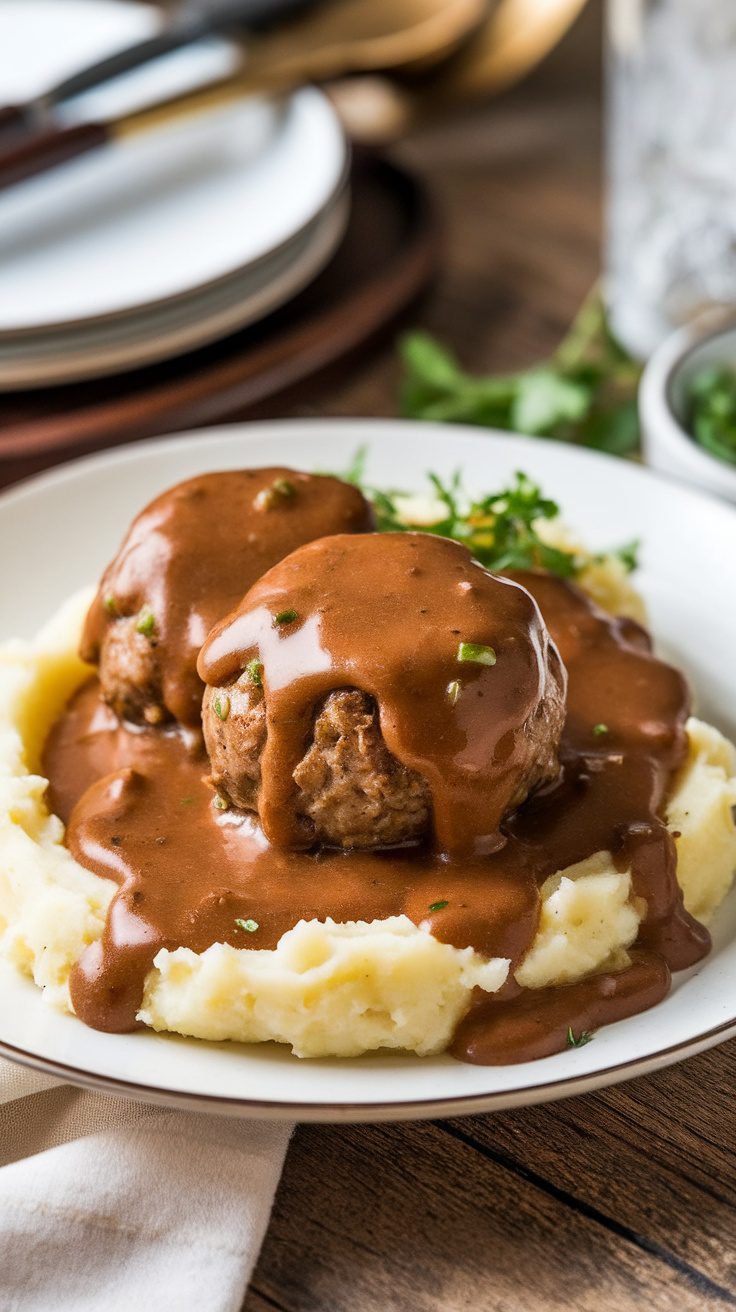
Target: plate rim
470,1104
320,240
370,1111
56,327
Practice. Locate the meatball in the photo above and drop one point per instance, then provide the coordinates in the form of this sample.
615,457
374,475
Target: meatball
184,563
130,673
381,690
351,791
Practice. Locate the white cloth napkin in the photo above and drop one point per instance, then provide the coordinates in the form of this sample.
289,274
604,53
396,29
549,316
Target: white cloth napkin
105,1203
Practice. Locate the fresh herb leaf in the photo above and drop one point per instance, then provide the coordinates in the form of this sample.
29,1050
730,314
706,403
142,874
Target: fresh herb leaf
279,491
145,621
284,617
476,652
711,411
600,729
501,528
355,472
586,393
438,906
221,705
110,604
628,555
254,670
250,926
581,1040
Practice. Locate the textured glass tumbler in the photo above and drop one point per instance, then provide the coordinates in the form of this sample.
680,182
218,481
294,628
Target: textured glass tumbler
671,205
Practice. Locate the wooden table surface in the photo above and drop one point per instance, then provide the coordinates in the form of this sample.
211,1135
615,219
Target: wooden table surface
624,1199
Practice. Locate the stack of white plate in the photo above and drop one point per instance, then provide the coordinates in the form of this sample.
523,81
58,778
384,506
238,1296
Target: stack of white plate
165,242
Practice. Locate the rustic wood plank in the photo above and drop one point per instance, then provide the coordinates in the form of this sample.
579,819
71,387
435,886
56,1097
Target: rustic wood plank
653,1159
415,1216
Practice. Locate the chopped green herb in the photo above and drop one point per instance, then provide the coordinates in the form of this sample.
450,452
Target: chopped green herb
438,906
250,926
586,393
187,801
453,691
477,653
355,472
110,604
579,1042
254,670
627,555
711,411
600,729
285,617
220,803
280,490
145,621
221,705
502,529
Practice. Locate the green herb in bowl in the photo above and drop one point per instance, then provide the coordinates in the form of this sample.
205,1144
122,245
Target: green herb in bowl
711,410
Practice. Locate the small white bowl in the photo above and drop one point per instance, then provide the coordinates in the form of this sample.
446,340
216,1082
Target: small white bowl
668,447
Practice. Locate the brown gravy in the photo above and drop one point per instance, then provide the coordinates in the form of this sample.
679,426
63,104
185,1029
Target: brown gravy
143,816
396,637
194,551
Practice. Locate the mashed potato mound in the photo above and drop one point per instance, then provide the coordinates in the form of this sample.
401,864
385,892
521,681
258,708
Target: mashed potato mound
326,989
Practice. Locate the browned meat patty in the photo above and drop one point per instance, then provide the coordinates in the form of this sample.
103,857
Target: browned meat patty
408,693
351,790
130,673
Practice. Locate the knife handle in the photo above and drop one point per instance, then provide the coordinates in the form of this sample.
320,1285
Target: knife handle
44,150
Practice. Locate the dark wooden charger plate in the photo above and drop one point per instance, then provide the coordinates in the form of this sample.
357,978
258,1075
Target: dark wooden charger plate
386,257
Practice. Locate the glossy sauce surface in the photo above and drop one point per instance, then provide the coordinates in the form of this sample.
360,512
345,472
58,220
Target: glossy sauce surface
193,552
389,614
187,871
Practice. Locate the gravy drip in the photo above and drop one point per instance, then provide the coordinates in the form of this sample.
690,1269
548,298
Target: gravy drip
193,552
143,817
397,637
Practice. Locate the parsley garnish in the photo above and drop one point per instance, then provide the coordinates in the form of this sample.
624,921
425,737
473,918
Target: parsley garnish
501,528
254,670
110,604
285,617
628,555
438,906
600,729
477,653
250,926
579,1042
145,621
221,705
280,490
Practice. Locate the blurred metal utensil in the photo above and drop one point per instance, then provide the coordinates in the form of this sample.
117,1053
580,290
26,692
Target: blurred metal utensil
349,36
188,23
517,35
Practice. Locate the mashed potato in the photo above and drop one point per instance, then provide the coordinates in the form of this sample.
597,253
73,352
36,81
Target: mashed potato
326,989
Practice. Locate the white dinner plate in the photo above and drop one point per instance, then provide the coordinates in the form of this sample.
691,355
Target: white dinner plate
158,215
59,530
129,342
